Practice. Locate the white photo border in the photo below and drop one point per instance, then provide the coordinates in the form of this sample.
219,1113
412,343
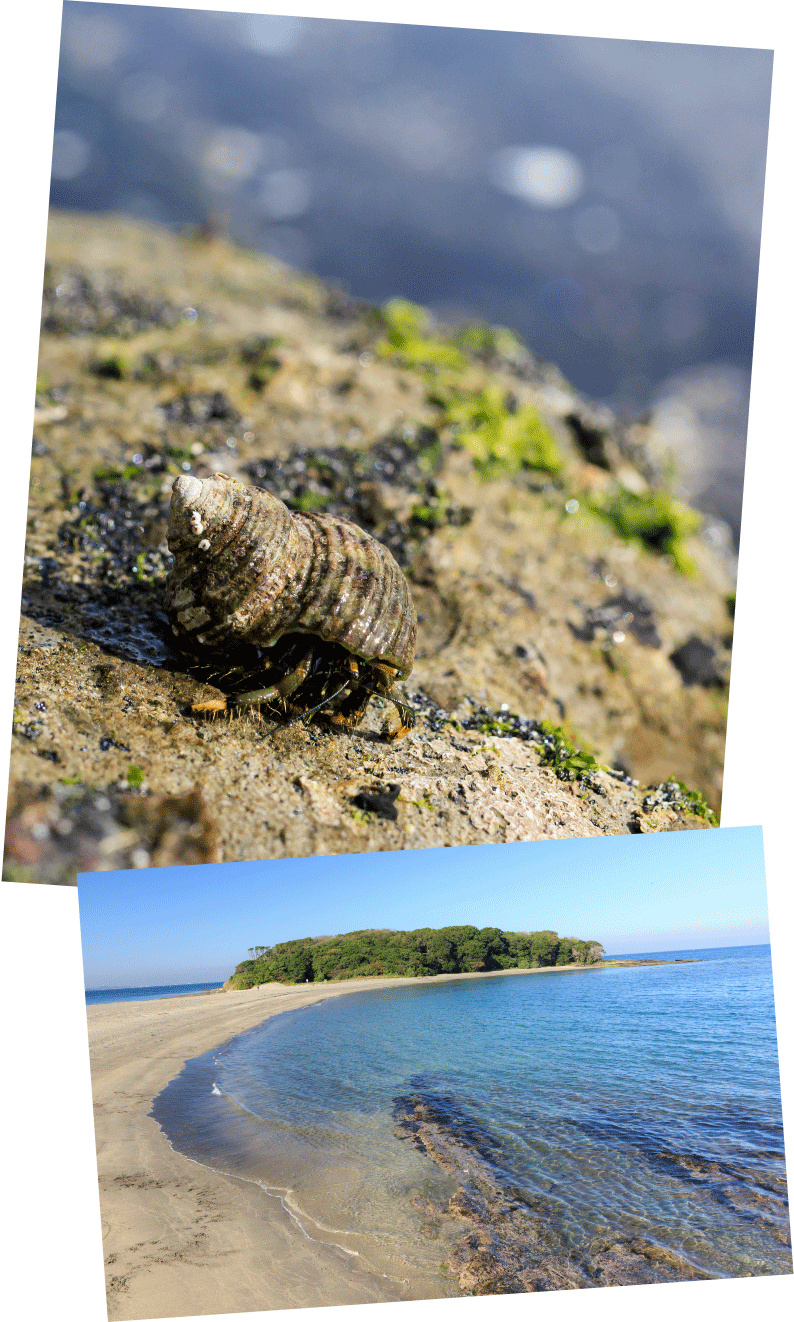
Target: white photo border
53,1240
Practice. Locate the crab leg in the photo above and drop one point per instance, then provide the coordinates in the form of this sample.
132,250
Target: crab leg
254,697
285,686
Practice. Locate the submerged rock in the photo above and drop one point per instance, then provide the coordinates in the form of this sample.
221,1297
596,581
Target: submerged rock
514,1245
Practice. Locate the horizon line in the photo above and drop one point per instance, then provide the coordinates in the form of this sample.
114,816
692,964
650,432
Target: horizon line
618,955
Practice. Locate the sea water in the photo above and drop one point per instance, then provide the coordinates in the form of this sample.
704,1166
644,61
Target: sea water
106,995
619,1103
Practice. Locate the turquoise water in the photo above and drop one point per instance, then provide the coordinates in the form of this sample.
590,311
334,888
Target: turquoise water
105,995
624,1102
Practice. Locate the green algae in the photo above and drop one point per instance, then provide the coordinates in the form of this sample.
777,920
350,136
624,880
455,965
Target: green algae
502,436
257,353
311,502
113,368
693,802
489,342
115,474
562,753
559,749
408,339
654,518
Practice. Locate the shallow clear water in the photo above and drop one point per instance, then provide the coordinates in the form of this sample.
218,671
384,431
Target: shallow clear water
626,1101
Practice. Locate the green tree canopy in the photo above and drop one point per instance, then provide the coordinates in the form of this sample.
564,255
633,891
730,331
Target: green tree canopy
424,952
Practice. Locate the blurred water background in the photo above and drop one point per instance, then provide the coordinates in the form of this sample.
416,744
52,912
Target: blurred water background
602,198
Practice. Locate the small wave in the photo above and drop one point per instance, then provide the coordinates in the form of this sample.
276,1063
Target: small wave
286,1197
216,1091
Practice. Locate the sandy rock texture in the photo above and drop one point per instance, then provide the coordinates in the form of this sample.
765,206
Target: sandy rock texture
165,354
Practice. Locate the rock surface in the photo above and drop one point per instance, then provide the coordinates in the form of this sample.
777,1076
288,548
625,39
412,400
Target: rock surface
165,354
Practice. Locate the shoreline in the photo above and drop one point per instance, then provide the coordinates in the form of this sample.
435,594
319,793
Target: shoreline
182,1239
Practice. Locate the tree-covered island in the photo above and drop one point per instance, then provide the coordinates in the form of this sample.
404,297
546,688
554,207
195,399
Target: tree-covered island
418,954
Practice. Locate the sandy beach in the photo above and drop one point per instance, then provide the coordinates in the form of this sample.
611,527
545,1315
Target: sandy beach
180,1239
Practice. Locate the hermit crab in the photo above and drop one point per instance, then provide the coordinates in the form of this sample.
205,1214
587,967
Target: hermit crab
303,609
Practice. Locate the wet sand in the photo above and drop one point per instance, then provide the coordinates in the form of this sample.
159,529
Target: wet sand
180,1239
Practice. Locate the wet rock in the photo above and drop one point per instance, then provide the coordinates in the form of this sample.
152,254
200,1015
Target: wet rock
382,801
592,440
77,302
258,352
623,614
696,663
637,1261
199,408
385,489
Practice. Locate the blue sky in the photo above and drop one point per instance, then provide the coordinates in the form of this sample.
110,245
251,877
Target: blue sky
673,891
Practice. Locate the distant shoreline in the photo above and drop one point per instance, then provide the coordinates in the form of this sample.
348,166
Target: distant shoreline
392,978
398,979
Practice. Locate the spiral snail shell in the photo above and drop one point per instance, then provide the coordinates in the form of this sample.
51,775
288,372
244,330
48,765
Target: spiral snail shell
247,571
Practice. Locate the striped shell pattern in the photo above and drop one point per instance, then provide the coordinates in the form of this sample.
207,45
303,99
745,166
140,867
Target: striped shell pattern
247,570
